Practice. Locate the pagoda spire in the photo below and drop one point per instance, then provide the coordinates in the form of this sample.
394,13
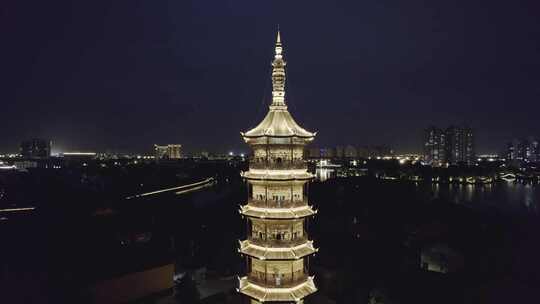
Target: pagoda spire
278,76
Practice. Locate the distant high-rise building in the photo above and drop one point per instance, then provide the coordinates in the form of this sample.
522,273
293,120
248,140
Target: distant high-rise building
523,150
160,152
171,151
328,153
340,152
36,148
363,152
535,150
434,146
460,145
174,151
455,145
510,151
351,152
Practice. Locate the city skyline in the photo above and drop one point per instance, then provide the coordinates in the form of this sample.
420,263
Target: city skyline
188,73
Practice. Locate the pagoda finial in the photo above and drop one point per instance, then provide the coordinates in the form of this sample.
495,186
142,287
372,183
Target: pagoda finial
278,75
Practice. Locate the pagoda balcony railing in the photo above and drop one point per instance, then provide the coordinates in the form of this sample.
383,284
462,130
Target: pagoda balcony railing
272,281
273,243
278,165
271,203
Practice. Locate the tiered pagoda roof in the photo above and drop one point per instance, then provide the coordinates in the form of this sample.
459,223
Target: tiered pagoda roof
277,253
281,175
265,294
277,213
278,123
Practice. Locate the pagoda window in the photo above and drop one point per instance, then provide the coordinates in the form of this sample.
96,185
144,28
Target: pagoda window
278,279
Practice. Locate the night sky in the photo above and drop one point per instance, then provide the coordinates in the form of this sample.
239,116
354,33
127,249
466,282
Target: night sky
123,75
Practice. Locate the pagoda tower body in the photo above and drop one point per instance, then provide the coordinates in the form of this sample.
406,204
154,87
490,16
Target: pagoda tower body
277,247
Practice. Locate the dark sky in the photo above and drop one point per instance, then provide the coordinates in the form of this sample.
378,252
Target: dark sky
123,75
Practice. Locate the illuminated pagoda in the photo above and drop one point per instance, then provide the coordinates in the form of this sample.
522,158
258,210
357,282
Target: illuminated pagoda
277,248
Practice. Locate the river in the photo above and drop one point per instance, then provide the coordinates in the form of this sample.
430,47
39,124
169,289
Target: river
508,197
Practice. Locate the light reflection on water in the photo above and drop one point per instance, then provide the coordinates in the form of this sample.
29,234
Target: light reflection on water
511,197
324,174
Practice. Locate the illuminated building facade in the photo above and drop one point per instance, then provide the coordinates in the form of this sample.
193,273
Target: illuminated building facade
277,247
434,146
460,145
452,146
523,150
171,151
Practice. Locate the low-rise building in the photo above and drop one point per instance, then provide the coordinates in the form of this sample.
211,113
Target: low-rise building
170,151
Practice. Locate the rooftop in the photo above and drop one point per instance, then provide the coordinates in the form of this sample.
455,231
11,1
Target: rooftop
278,123
264,294
268,174
273,253
277,213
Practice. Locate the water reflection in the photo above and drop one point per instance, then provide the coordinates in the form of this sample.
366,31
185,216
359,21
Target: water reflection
324,174
510,197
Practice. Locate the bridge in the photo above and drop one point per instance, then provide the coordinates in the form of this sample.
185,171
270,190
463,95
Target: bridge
208,182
